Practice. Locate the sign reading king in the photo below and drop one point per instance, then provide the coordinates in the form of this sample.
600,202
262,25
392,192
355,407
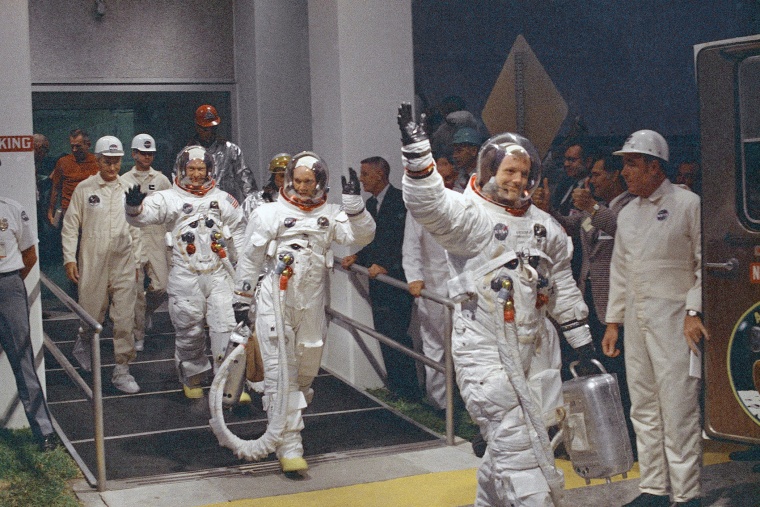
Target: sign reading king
16,143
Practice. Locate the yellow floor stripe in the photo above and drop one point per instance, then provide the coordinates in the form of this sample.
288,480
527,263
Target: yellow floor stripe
442,489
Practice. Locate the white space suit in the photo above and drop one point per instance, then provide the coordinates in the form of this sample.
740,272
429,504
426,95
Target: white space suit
206,231
108,255
424,259
306,232
154,262
494,360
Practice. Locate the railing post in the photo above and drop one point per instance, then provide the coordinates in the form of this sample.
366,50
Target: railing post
97,408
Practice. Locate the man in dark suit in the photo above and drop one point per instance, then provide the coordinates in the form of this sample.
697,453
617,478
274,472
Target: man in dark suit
577,163
391,307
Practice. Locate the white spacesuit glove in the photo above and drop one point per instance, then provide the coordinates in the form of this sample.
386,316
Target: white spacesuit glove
352,204
577,336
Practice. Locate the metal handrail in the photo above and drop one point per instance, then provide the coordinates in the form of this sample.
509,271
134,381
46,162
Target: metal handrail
447,368
96,393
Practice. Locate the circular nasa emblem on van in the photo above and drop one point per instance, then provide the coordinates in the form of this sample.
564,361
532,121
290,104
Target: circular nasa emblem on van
662,215
501,231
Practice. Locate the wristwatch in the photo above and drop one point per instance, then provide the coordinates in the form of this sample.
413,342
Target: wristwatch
693,313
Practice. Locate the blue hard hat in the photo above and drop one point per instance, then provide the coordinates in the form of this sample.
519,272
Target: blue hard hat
467,135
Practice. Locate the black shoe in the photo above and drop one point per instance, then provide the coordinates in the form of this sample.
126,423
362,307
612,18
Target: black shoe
751,454
478,445
649,500
694,502
48,443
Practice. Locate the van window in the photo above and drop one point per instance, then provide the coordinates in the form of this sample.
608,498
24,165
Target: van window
748,184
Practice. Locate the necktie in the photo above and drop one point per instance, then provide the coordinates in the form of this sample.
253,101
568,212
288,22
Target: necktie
372,206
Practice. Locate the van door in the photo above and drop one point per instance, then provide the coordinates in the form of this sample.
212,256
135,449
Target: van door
728,81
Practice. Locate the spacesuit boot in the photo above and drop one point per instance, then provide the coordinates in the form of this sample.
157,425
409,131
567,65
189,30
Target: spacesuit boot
297,464
193,389
192,393
290,449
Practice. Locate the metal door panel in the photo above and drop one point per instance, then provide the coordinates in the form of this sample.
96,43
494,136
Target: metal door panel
730,149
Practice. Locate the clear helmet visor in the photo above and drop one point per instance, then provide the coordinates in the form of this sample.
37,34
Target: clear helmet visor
190,180
508,170
306,179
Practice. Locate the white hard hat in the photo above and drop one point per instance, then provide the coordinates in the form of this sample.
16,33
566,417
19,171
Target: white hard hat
143,142
646,142
109,146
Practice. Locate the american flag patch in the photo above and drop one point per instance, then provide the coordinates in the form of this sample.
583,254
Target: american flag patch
232,201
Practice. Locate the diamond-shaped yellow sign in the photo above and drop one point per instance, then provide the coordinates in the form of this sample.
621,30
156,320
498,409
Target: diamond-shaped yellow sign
524,99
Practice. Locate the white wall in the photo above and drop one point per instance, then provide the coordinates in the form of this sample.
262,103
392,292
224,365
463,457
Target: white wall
17,179
361,68
272,75
135,41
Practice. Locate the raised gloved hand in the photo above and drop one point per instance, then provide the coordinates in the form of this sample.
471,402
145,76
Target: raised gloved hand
411,132
351,186
416,153
586,355
134,196
241,313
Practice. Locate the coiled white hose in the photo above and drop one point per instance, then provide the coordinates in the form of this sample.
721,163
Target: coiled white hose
254,450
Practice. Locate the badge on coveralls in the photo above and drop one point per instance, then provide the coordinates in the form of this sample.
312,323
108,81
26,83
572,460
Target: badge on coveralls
662,215
187,208
323,222
290,222
214,205
93,200
3,224
539,230
501,231
24,216
151,187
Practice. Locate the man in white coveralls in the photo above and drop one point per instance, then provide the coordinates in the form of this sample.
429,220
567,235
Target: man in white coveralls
154,263
512,262
207,231
105,267
656,293
299,228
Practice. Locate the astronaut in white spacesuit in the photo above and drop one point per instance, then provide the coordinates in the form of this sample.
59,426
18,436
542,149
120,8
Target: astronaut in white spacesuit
299,228
512,262
206,234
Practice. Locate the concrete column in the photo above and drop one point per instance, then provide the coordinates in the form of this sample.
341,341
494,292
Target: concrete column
17,180
272,80
361,62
